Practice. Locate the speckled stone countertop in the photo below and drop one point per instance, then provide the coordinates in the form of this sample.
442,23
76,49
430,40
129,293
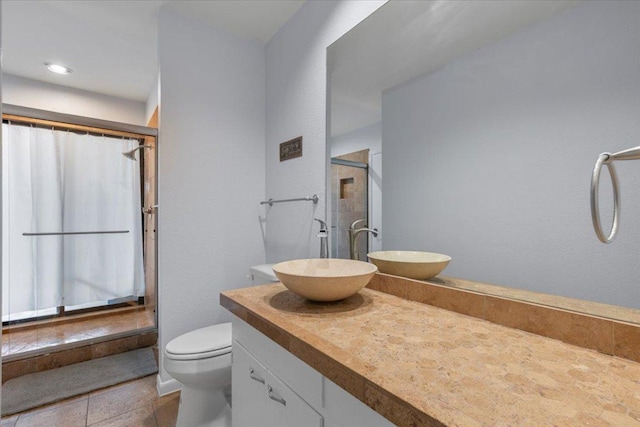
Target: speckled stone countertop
420,365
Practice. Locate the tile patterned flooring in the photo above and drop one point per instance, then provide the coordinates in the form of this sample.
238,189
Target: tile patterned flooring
19,339
131,404
135,403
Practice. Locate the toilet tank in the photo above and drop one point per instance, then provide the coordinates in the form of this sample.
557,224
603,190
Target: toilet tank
261,274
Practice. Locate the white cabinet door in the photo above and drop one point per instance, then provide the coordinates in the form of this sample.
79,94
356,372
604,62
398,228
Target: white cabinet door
248,392
296,374
286,408
260,399
347,411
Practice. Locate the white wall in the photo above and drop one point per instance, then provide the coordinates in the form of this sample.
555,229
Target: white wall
489,159
153,100
60,99
365,138
296,106
211,170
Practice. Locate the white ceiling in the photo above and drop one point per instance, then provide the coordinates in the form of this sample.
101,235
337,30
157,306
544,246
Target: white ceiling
112,45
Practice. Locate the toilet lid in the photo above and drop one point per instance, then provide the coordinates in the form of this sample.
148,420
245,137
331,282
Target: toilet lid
202,343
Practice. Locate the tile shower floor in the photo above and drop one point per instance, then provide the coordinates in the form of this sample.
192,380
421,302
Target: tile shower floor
132,404
20,339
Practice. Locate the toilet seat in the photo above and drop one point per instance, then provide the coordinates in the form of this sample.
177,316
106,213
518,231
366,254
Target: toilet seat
203,343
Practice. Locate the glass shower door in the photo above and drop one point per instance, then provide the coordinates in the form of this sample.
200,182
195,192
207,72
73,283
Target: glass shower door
349,203
72,227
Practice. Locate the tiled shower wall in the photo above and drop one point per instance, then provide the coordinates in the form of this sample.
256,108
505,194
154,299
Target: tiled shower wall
348,204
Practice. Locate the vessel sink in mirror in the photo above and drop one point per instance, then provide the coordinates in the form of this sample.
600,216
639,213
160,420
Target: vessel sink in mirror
412,264
324,279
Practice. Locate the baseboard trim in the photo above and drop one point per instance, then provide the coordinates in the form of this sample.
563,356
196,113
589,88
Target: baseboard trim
167,387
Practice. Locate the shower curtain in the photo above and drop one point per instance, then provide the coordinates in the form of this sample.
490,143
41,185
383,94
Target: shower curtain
61,181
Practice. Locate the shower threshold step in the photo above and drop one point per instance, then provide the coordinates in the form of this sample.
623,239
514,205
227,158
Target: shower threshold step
14,366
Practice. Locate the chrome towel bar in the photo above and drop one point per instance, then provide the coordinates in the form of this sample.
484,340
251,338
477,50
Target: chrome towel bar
65,233
270,202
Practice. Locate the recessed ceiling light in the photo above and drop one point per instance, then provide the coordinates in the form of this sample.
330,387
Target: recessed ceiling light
58,69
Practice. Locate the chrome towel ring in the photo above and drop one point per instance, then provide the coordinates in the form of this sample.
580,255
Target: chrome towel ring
608,159
604,159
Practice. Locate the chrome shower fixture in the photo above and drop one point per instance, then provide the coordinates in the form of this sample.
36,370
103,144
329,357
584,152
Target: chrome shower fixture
130,154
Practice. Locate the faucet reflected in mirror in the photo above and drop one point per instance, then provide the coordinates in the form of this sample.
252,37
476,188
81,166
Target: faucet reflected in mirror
354,232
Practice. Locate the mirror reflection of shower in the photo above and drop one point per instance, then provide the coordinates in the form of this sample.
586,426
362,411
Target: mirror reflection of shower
131,153
349,202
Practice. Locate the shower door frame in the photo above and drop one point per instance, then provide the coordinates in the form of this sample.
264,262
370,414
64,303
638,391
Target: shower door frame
26,115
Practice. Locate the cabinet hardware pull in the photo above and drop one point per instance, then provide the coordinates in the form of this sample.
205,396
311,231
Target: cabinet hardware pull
254,376
276,398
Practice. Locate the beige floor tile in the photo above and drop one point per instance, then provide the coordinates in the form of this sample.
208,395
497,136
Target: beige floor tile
166,409
116,400
134,404
140,417
72,413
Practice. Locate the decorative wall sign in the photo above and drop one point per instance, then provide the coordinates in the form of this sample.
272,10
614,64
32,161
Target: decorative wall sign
291,149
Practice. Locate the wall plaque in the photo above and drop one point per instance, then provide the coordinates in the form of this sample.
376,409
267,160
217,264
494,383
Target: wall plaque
291,149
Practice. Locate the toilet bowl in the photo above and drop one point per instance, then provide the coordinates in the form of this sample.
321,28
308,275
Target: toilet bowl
201,361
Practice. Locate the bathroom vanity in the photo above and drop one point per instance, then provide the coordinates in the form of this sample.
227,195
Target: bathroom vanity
271,387
376,358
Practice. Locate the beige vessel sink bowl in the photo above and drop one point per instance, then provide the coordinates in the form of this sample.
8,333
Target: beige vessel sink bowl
324,279
411,264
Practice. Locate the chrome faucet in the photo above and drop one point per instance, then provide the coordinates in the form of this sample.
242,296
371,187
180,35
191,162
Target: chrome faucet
353,237
323,234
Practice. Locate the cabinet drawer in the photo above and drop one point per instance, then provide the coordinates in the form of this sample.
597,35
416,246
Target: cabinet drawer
306,381
262,399
287,408
248,390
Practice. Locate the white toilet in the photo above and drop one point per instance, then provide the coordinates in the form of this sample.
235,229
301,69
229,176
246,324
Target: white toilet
201,361
262,274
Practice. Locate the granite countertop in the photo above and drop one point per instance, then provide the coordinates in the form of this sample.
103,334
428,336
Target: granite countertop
420,365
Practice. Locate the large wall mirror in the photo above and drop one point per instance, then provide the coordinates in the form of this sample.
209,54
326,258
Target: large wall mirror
488,118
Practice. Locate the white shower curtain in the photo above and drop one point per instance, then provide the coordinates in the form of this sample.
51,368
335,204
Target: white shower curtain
61,181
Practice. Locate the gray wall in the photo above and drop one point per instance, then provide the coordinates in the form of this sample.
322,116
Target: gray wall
489,158
211,165
62,99
296,87
368,137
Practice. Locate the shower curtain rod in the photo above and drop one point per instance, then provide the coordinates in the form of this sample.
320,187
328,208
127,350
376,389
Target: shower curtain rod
69,127
123,129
